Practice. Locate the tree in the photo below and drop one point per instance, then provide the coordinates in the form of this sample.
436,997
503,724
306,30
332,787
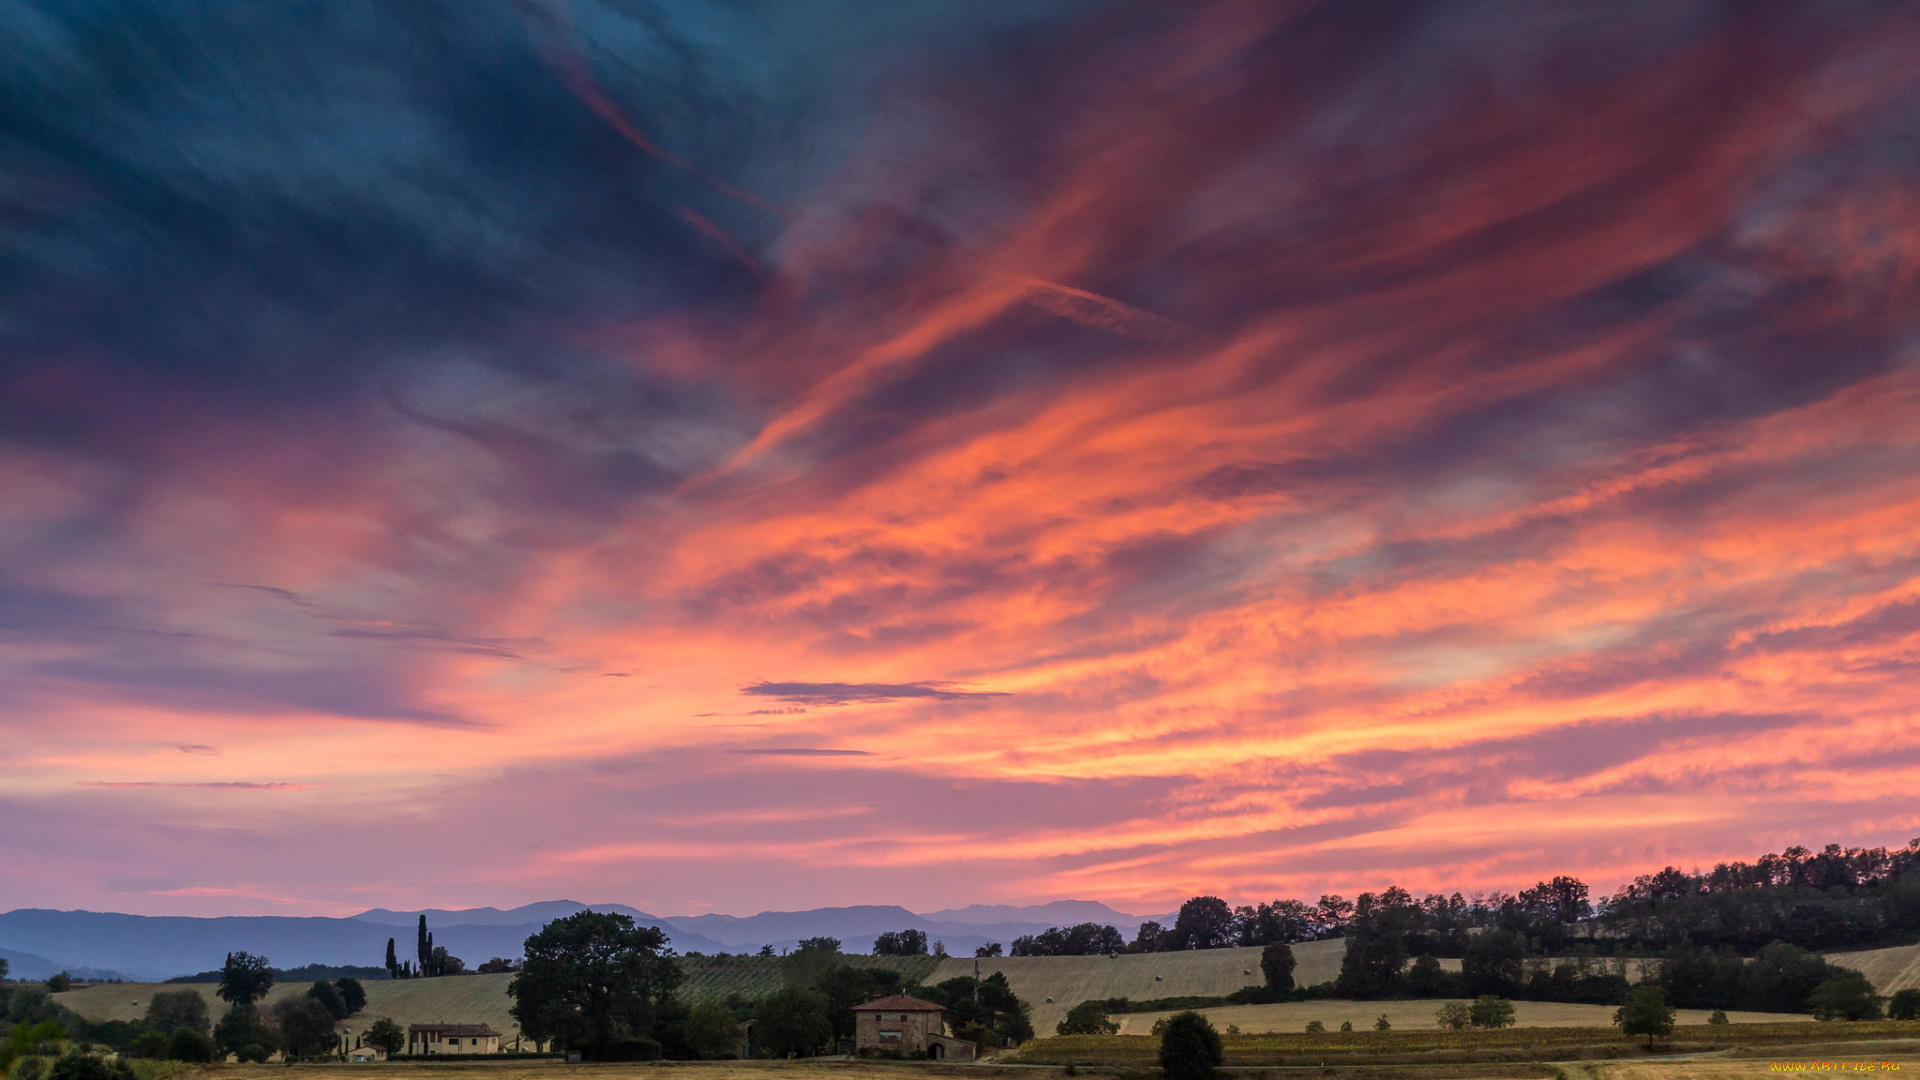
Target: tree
1905,1005
253,1053
4,969
845,986
496,966
1488,1011
1719,1018
328,996
386,1035
712,1032
1645,1013
1495,963
244,979
1150,937
792,1021
1087,1018
189,1045
1190,1048
393,961
1848,997
1425,977
60,983
992,948
1276,963
592,981
352,994
89,1067
306,1027
901,943
423,946
148,1044
243,1026
1315,1027
1204,922
1453,1015
1382,1024
170,1009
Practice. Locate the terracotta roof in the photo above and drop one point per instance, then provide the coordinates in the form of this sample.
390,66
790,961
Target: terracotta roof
900,1003
456,1030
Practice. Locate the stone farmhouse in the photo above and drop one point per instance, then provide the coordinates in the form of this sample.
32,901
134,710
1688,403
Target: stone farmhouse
452,1039
908,1026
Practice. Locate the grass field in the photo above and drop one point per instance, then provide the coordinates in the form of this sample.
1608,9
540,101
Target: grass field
1411,1016
1563,1043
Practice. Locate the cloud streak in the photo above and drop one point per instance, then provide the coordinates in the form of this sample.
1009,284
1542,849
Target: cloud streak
1248,448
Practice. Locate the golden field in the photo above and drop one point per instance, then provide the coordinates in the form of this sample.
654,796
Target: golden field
1410,1016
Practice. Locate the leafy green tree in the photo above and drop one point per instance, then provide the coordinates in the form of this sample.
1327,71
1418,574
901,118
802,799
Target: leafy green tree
244,979
901,943
328,997
988,1013
846,986
1276,963
991,948
1646,1012
1315,1027
60,983
1382,1024
1346,1025
1087,1018
594,980
170,1009
253,1053
1783,976
243,1026
1204,922
712,1032
1425,977
1848,997
1190,1048
352,994
189,1045
306,1027
792,1021
32,1005
1454,1015
804,964
386,1035
148,1044
1719,1018
1905,1005
1495,963
1150,937
1488,1011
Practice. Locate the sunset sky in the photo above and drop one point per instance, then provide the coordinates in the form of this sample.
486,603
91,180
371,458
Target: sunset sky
726,456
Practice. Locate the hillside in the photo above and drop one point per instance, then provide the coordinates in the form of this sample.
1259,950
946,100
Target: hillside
1892,969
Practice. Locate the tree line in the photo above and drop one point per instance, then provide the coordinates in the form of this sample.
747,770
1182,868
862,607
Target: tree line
598,984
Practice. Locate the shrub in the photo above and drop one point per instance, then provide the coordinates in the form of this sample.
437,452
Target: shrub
1381,1024
1453,1015
1488,1011
171,1009
1718,1018
148,1044
1905,1005
252,1053
189,1045
1346,1025
32,1067
1315,1027
711,1032
1848,997
89,1067
1087,1018
1190,1048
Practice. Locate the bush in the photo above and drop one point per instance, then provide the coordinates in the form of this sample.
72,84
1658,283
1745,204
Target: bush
1848,997
1454,1015
148,1044
1087,1018
89,1067
1190,1048
31,1067
1905,1005
711,1033
1346,1025
1314,1027
252,1054
1488,1011
189,1045
1718,1018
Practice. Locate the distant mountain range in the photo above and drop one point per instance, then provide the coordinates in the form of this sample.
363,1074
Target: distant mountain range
38,942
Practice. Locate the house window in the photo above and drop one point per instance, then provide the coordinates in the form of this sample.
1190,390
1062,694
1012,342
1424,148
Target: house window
889,1036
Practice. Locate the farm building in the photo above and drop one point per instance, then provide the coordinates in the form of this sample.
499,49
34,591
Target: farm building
366,1053
907,1025
452,1039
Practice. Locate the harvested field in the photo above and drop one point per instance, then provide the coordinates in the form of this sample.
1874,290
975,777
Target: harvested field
1412,1016
1069,980
1888,969
458,999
